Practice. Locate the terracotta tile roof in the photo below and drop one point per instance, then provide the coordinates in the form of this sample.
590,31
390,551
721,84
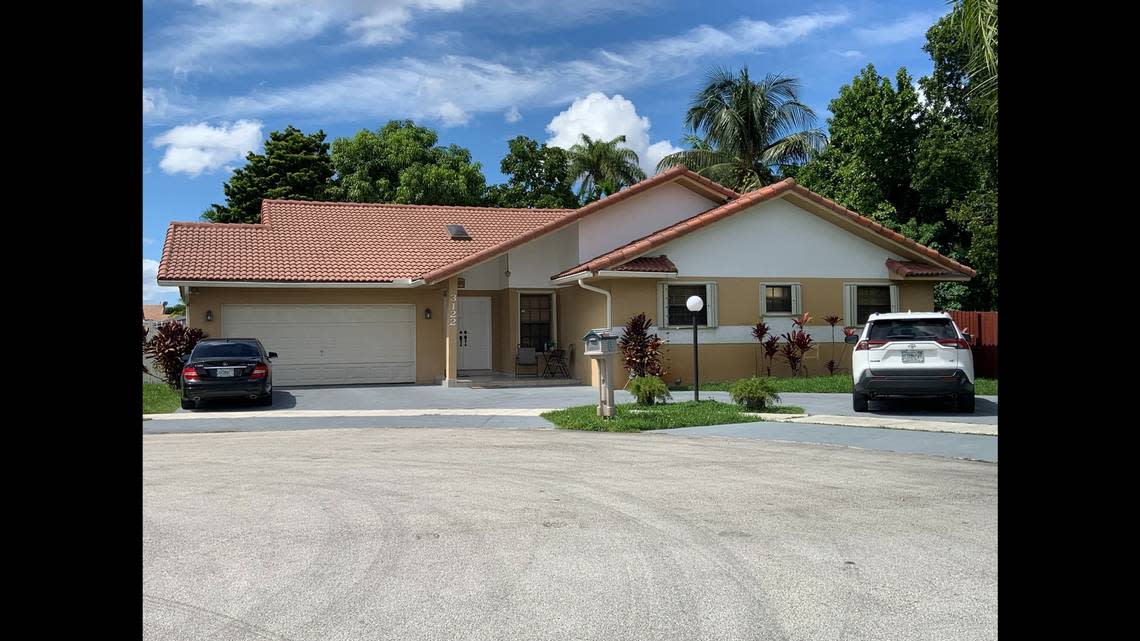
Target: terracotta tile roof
680,171
305,241
153,312
906,268
647,243
648,264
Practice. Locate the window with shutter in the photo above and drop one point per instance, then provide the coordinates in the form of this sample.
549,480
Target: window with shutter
674,309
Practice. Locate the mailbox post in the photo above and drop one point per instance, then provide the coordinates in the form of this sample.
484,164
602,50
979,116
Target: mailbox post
601,347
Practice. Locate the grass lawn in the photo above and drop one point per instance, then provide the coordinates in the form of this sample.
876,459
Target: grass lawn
159,399
631,417
838,384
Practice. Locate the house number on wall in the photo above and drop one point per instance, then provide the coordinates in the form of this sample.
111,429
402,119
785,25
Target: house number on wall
452,309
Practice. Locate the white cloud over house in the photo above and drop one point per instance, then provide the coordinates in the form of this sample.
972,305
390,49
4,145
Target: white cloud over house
199,147
151,292
417,87
603,117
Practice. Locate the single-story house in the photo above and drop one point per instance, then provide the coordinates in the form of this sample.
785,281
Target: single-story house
383,293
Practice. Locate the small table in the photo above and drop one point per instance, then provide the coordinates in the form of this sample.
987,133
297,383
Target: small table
556,364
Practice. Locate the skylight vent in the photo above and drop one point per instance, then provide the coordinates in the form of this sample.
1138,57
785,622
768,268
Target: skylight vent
457,232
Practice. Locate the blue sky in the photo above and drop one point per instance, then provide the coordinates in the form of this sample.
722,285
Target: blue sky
219,75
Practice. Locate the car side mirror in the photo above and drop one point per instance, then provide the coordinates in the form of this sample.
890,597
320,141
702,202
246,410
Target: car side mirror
969,338
272,354
851,340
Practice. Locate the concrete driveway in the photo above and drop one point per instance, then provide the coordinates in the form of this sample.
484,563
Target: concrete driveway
394,397
437,534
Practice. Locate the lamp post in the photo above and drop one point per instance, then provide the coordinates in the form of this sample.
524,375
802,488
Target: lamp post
695,304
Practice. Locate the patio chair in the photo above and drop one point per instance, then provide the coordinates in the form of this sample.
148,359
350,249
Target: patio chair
526,357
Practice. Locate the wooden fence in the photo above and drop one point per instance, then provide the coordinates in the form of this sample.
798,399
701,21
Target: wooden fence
984,328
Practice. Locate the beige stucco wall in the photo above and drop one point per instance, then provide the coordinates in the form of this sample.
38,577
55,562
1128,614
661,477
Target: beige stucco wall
739,305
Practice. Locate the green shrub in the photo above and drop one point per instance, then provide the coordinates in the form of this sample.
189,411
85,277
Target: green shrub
755,393
648,389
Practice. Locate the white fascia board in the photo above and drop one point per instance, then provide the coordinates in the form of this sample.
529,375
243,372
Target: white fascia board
399,284
620,274
572,278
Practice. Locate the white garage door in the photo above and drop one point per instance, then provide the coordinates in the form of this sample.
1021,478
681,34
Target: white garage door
331,344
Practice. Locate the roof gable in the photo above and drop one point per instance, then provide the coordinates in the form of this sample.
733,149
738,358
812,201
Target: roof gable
830,210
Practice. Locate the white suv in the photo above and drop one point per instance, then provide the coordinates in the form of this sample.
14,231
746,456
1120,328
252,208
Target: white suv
912,354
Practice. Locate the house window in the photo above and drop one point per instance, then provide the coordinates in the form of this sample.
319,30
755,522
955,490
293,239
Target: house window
871,300
676,313
534,320
779,299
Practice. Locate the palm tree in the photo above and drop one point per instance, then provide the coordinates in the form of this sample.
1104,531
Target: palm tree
603,167
748,130
978,22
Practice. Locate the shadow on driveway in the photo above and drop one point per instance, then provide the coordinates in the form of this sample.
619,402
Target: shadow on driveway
282,400
928,407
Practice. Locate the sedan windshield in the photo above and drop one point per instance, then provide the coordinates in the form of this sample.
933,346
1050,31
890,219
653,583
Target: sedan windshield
225,350
927,328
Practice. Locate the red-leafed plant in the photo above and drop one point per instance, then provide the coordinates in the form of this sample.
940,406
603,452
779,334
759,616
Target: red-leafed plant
759,331
796,345
641,350
169,347
831,365
146,330
771,347
849,331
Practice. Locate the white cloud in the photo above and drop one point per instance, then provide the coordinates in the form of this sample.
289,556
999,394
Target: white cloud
450,114
196,148
599,116
850,53
908,28
148,241
512,116
217,32
414,87
151,292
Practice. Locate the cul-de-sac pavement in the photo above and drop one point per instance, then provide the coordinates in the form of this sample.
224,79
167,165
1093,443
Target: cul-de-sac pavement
346,513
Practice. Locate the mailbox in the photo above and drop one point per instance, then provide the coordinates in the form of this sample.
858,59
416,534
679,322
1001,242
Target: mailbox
599,343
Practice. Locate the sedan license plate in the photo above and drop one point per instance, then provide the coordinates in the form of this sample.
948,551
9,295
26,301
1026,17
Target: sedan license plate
229,371
912,356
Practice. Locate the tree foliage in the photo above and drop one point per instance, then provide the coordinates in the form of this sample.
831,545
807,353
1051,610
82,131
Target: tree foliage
537,176
742,133
925,167
603,166
295,166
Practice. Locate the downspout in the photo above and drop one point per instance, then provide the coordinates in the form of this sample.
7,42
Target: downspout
609,303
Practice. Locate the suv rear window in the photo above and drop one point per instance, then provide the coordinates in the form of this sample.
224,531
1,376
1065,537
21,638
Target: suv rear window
928,328
225,350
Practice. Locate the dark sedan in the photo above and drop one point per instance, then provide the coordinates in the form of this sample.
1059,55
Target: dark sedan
228,368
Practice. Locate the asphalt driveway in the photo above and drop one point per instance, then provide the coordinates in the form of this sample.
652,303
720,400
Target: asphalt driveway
429,534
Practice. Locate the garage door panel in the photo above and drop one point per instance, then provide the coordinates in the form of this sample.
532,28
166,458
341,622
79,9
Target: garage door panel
331,344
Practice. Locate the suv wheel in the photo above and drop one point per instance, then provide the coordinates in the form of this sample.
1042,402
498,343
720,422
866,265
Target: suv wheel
966,403
188,404
859,402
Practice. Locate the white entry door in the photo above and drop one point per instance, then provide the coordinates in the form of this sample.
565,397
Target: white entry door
331,344
474,332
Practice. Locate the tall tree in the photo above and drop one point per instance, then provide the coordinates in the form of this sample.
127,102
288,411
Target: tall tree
449,179
537,176
295,165
743,132
400,162
603,167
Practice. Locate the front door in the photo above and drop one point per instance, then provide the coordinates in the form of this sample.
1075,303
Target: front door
474,332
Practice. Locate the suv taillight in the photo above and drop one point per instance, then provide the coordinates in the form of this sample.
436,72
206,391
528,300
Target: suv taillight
259,371
959,343
862,345
190,373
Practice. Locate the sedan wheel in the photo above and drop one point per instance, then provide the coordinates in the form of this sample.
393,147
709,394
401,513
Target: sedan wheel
189,404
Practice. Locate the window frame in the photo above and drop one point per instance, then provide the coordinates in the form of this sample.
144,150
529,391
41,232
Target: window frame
518,313
796,292
710,303
851,300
